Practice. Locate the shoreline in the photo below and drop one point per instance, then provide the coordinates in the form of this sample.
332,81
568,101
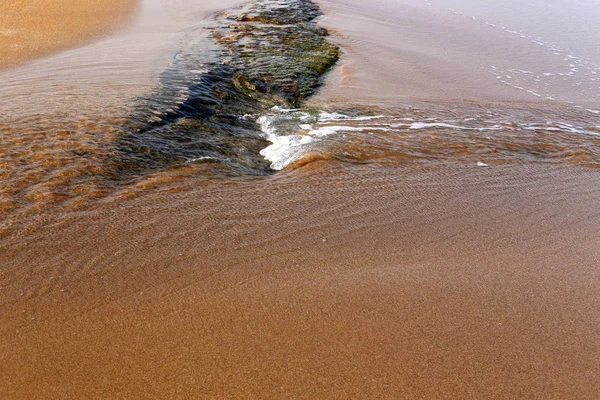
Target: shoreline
39,28
411,59
381,278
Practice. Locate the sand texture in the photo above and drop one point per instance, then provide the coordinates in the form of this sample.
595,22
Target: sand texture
31,29
387,264
366,282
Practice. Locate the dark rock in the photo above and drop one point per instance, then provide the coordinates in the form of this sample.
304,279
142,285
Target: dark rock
273,53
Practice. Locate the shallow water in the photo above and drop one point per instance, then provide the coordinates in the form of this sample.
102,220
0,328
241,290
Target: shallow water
62,117
438,82
531,51
434,133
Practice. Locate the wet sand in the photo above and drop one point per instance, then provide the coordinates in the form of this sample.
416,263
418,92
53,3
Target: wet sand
379,278
37,28
475,50
331,281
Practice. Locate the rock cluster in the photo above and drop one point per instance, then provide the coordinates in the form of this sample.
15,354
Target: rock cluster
271,53
278,51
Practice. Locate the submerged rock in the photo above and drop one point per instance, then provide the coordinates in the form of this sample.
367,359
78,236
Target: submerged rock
279,52
283,12
272,53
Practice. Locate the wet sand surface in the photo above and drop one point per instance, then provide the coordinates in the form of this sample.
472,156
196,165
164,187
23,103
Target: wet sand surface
31,29
465,50
382,263
373,281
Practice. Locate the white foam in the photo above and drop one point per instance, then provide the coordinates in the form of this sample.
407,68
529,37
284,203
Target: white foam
560,127
327,116
285,150
266,125
422,125
330,130
425,125
200,159
283,110
304,117
542,128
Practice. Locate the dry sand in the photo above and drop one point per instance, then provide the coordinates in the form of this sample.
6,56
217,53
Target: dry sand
327,282
31,29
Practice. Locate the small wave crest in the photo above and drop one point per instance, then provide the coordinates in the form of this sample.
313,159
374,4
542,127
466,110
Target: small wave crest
298,133
348,135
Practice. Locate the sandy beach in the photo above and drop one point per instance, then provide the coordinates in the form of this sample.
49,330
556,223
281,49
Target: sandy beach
430,231
37,28
378,282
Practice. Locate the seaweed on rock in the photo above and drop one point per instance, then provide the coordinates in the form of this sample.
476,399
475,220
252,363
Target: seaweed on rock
272,53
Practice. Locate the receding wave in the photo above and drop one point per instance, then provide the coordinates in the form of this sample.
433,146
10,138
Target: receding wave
470,133
202,117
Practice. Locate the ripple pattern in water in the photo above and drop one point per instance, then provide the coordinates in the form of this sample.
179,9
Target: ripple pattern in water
433,133
211,116
203,112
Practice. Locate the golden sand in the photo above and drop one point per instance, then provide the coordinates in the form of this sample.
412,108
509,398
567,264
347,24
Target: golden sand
31,29
371,281
368,282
